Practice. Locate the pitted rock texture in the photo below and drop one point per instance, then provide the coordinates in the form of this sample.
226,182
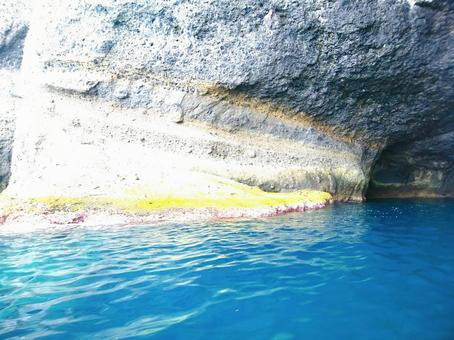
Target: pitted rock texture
376,71
341,77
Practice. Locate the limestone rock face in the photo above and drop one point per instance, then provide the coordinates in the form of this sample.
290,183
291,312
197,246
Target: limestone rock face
291,94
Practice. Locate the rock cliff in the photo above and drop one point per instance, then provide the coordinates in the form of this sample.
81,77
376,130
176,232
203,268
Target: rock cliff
283,95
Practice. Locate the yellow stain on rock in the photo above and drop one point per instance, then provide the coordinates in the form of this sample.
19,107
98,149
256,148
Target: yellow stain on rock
221,195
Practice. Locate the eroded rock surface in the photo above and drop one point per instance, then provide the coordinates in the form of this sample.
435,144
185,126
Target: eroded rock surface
280,94
13,30
421,168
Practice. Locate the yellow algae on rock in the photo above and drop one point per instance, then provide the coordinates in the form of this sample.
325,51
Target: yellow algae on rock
249,197
210,195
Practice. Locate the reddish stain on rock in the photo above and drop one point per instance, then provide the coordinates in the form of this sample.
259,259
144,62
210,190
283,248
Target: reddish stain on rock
77,219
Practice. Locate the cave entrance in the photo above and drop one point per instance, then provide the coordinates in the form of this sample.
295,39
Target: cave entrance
411,170
389,175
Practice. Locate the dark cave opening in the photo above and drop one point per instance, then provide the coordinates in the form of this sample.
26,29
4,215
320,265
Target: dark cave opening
388,175
411,169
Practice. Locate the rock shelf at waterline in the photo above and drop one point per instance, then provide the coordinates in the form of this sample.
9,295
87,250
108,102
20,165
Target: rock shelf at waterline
200,198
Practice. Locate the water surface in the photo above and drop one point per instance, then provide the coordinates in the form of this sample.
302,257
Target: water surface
381,270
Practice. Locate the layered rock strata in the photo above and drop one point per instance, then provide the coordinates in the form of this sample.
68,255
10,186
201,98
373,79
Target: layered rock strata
282,95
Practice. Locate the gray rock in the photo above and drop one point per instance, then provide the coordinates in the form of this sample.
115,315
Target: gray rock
378,70
423,167
351,77
13,30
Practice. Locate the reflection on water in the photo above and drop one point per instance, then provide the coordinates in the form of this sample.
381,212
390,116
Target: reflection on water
379,270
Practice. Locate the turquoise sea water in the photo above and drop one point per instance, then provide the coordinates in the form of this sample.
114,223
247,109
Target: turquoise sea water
381,270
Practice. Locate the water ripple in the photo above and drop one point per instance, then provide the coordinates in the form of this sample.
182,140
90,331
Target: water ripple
378,270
